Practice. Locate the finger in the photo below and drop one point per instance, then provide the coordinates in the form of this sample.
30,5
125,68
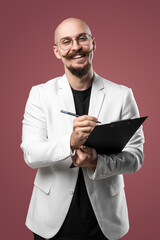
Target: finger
81,156
86,117
79,152
86,149
91,152
85,123
84,130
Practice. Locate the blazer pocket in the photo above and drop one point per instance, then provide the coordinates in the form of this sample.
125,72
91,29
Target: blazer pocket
44,188
43,180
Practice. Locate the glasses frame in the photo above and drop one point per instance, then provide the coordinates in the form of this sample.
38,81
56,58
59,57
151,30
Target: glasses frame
72,39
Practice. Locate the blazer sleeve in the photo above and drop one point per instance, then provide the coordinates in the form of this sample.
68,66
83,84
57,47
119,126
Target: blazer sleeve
131,158
38,150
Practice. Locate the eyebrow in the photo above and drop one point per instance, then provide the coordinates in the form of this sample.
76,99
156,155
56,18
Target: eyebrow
71,37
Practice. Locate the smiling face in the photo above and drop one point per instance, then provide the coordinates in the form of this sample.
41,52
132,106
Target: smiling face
77,57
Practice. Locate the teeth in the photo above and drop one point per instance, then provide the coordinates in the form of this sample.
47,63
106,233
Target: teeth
78,56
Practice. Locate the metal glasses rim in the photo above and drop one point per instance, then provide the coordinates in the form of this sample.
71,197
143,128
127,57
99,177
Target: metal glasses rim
77,36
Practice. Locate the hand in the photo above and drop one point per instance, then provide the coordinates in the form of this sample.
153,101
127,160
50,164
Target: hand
82,127
85,157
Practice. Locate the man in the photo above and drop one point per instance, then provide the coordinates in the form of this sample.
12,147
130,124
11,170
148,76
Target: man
87,201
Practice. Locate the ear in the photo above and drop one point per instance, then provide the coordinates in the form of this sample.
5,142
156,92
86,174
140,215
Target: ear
56,52
94,44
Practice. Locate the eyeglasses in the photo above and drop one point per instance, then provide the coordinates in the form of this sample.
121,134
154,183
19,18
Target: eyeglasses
83,39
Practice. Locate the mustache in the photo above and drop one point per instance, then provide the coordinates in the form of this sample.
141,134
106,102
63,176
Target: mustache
80,52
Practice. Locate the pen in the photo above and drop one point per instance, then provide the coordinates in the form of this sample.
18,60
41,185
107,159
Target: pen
72,114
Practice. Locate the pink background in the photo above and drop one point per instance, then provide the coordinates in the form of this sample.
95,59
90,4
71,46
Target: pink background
128,52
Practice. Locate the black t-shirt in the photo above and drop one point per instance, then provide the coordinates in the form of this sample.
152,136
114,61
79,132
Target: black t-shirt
80,222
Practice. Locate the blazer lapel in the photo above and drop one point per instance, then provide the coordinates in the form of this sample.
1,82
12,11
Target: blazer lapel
66,98
97,96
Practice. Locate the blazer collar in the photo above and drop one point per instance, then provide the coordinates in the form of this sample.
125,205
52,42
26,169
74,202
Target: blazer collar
65,93
97,96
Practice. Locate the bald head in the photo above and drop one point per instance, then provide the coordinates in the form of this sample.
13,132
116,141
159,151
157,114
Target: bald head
70,26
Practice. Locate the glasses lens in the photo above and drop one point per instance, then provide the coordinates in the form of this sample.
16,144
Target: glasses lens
83,40
65,43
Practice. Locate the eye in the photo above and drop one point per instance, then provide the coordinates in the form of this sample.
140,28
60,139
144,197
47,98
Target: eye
66,42
82,38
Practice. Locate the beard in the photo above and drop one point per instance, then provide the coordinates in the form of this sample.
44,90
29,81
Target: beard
80,72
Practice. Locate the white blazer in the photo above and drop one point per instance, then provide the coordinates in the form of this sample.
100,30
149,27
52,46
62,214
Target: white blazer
46,146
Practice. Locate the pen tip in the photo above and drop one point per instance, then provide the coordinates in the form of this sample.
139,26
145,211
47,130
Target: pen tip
63,111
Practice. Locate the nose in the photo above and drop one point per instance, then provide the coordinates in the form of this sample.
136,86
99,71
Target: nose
75,45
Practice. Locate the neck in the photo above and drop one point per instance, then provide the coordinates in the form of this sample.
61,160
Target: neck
82,83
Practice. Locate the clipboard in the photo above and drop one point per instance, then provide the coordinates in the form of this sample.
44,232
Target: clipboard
111,138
